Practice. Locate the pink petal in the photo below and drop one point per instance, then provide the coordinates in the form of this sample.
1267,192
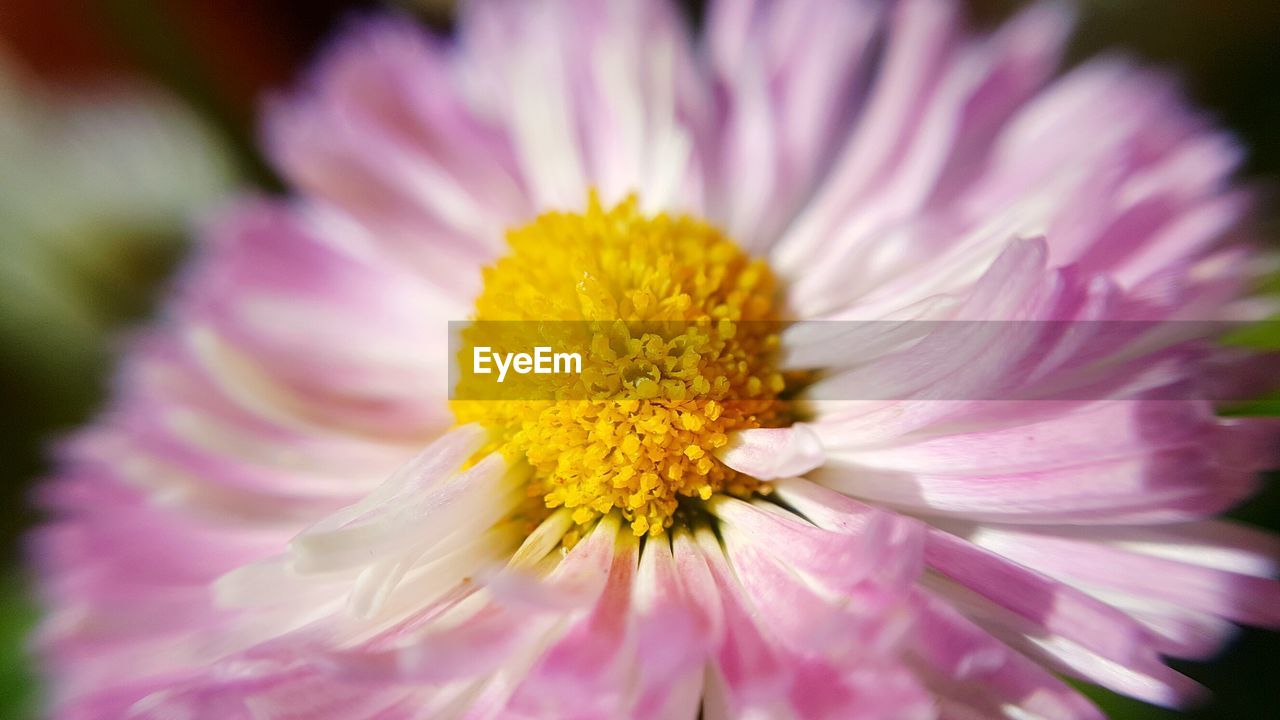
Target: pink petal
771,453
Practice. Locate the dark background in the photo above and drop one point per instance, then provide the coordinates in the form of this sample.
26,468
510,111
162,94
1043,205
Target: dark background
217,57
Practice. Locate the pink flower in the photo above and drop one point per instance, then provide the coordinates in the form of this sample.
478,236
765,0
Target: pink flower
978,484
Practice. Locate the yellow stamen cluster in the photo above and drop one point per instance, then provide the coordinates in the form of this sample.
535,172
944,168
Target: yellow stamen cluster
676,328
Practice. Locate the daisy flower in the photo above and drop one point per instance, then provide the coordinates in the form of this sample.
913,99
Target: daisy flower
916,449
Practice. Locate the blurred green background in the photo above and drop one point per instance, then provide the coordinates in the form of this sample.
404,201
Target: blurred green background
121,121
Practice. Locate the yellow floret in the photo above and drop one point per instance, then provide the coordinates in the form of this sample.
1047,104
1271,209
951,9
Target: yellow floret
691,361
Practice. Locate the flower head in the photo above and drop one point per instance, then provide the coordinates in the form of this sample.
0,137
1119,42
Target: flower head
990,462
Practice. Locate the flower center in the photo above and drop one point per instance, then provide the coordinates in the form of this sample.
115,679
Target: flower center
676,328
